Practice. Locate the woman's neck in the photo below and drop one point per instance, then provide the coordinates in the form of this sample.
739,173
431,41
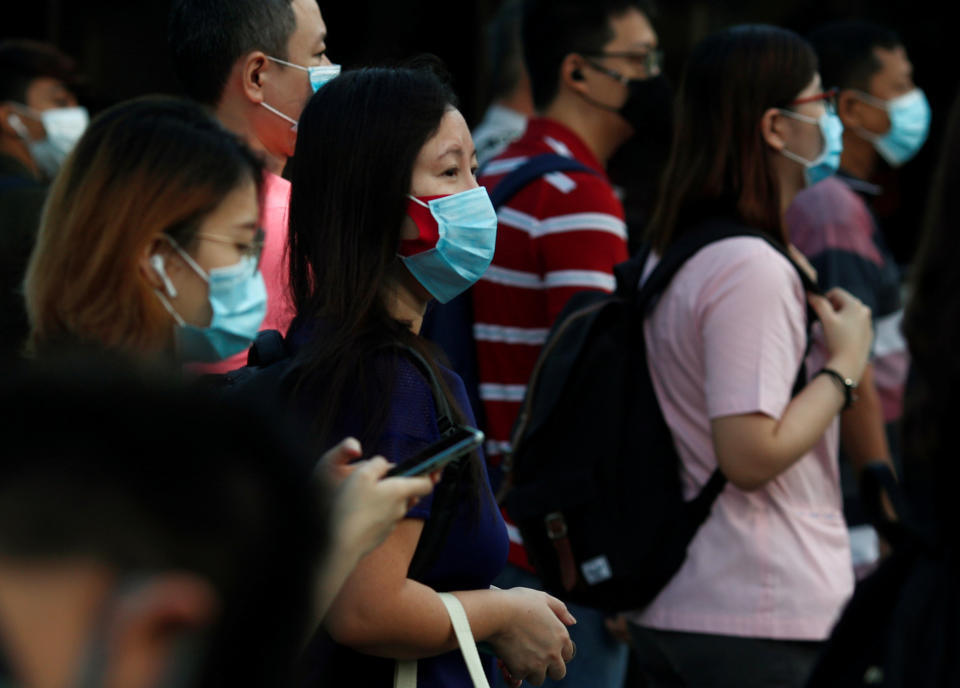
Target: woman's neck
407,301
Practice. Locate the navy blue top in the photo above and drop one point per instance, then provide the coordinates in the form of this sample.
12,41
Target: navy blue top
473,554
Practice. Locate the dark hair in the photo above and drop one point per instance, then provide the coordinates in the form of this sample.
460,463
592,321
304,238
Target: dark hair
846,52
552,29
23,61
505,49
719,157
105,461
351,176
931,325
207,37
143,167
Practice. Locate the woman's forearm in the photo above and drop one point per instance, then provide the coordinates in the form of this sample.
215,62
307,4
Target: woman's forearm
752,449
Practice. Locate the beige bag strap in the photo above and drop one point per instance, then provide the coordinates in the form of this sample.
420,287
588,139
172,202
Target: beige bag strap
405,675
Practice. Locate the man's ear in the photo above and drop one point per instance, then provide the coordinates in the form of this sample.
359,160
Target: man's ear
254,69
152,623
771,128
572,73
849,109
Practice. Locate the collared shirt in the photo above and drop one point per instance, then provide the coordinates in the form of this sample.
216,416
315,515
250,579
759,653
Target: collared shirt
561,234
273,266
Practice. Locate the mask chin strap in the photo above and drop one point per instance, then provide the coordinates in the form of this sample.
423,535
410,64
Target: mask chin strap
280,114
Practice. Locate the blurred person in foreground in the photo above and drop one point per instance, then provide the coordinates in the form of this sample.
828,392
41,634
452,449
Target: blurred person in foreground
40,123
151,534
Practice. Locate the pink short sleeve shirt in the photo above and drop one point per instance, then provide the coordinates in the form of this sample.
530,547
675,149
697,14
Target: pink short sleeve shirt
727,339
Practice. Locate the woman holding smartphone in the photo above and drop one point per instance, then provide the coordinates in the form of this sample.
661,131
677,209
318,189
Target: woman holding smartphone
386,215
770,569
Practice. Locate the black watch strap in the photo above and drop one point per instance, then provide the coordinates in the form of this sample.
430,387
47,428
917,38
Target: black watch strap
847,386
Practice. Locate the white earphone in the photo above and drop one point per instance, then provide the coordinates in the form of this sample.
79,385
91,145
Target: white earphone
17,125
156,261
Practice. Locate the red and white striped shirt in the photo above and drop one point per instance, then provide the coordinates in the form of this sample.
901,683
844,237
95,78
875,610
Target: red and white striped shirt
561,234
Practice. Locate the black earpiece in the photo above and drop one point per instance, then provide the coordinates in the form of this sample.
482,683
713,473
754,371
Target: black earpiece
576,75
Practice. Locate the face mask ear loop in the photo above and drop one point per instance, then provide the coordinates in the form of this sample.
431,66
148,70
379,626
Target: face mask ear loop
187,259
169,306
280,114
417,200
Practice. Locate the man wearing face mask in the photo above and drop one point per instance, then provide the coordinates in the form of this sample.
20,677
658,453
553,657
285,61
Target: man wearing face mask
255,63
885,118
594,70
39,124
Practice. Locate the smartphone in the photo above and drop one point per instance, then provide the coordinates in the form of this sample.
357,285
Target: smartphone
462,441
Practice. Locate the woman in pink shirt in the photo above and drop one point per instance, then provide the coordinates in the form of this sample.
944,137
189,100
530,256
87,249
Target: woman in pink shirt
769,570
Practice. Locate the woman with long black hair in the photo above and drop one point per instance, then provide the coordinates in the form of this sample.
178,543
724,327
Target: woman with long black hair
770,568
386,215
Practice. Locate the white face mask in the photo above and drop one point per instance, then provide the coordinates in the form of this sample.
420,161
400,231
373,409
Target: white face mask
63,127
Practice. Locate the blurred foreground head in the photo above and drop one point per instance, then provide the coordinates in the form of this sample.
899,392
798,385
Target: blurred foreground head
150,535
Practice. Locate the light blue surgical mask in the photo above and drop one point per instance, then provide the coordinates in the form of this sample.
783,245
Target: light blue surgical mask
909,125
318,74
831,133
238,299
449,257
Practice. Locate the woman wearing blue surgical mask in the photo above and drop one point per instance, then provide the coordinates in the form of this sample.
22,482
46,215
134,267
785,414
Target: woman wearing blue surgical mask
749,390
149,244
386,216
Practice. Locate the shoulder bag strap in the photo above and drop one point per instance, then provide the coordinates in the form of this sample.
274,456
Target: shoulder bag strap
405,675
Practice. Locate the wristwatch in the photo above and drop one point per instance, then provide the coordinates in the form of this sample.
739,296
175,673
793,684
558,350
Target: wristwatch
847,386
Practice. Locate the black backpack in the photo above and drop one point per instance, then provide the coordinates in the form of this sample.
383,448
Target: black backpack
593,480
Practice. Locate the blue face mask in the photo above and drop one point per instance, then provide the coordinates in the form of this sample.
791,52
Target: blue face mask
318,74
828,162
238,299
909,125
458,235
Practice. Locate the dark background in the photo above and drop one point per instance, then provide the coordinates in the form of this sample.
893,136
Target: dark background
121,47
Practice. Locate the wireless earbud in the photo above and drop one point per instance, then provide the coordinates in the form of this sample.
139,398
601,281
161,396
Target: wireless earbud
17,125
576,75
156,261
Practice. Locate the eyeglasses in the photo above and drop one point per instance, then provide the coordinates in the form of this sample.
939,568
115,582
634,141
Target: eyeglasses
252,250
651,61
829,99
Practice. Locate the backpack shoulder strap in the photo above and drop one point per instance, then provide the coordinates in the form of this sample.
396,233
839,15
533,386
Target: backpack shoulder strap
446,499
533,168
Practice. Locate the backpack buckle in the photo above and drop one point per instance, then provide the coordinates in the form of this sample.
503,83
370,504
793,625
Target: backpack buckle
556,525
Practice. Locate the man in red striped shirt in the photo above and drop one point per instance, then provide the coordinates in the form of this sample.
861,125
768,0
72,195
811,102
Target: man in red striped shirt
590,66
